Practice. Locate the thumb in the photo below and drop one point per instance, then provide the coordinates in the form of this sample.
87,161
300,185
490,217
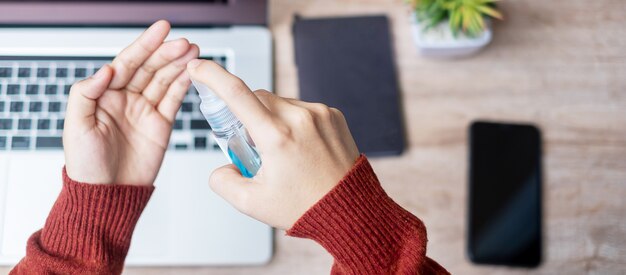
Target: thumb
81,105
229,184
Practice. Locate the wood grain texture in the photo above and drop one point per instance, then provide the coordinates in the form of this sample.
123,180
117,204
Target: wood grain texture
560,64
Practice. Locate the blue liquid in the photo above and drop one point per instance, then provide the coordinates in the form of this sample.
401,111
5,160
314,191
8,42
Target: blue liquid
237,162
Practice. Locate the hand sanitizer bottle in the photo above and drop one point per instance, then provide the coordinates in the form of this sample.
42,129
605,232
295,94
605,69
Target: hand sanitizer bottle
228,132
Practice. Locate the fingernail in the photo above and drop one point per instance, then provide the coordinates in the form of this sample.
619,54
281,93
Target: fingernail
99,73
193,63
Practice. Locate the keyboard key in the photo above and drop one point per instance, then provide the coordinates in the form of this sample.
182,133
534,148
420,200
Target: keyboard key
1,106
3,142
32,89
51,89
187,107
5,72
49,142
60,124
80,72
66,89
199,124
35,107
200,142
43,124
61,72
13,89
6,124
178,124
54,107
181,146
16,106
20,142
43,72
23,72
23,124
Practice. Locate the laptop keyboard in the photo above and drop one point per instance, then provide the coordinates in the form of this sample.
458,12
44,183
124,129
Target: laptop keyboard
33,97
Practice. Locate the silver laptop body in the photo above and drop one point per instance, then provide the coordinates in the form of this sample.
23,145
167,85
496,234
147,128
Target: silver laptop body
185,223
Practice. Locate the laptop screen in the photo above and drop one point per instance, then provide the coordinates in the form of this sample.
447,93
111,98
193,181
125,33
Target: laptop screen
132,13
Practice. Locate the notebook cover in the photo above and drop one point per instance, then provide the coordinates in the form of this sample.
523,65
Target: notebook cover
346,63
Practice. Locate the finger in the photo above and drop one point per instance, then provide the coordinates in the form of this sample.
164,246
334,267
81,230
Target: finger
169,105
164,55
241,101
164,78
324,113
229,184
278,106
319,112
129,60
271,101
82,101
307,105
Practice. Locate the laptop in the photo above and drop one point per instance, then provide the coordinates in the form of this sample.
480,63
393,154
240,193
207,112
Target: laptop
45,46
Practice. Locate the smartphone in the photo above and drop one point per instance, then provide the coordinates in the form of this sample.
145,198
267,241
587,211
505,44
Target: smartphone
504,219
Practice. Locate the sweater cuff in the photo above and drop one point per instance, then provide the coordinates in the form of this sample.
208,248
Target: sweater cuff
361,226
93,221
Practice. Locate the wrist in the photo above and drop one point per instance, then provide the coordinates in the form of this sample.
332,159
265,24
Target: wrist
357,220
80,223
86,173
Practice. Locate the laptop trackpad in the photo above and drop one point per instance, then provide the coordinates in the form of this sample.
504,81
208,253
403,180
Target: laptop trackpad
33,182
183,224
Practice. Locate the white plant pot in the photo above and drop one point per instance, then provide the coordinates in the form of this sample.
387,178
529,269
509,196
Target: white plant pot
439,41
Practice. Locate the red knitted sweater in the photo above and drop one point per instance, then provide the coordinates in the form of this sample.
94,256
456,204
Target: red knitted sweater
90,226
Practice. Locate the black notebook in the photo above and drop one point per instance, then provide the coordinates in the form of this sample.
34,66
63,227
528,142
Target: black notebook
347,63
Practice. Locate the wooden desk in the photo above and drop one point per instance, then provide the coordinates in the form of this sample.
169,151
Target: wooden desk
560,64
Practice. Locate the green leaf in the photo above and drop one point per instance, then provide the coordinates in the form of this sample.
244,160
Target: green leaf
485,1
455,21
490,11
466,17
436,20
481,22
432,9
449,4
474,28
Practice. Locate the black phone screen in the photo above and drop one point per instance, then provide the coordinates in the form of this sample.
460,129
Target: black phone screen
504,194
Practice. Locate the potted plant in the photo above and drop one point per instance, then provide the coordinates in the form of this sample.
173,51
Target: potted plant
448,28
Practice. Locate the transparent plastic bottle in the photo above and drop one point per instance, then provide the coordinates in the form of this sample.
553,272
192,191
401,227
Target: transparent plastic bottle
228,132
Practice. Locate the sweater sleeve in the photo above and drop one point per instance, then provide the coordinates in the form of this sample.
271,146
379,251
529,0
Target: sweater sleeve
365,230
88,230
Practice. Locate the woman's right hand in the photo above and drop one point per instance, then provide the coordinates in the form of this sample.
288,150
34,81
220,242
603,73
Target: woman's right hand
306,149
